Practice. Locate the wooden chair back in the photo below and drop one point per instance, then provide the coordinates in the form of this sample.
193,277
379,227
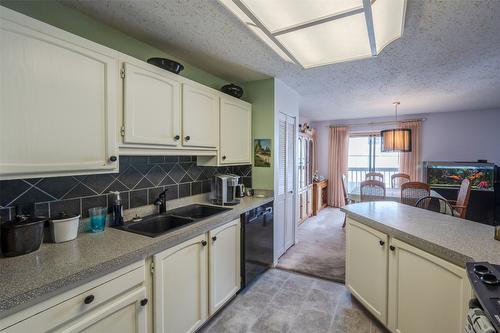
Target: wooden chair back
372,190
411,192
463,198
435,204
399,179
344,189
374,176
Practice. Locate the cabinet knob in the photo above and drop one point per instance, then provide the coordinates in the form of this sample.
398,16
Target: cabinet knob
381,242
214,238
177,137
89,299
392,248
188,138
144,302
224,157
204,243
113,158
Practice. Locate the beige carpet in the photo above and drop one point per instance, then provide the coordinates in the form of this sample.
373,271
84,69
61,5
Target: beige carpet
320,247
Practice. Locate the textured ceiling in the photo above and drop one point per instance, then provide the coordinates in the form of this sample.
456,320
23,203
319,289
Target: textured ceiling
447,60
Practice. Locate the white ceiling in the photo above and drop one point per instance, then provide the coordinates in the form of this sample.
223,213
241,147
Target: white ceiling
447,60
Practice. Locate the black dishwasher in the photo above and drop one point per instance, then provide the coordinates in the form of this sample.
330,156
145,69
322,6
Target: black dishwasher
257,252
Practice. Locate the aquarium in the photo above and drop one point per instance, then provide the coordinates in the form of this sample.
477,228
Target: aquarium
450,175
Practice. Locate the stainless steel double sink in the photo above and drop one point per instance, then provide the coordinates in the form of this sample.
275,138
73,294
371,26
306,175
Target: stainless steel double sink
160,224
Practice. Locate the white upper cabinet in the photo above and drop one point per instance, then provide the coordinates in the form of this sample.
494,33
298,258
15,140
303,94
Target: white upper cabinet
58,95
235,131
152,109
200,116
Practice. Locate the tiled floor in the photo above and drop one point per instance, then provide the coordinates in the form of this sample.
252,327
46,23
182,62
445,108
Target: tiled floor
282,301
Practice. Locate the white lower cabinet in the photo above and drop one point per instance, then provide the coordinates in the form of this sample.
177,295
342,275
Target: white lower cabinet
180,287
407,289
366,268
224,259
123,315
194,279
115,303
426,293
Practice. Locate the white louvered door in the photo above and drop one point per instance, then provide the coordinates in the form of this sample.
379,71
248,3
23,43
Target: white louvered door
285,204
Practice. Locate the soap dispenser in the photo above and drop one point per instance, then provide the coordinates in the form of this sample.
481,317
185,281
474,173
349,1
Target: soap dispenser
117,210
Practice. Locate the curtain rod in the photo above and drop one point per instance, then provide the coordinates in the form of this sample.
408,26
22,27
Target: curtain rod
376,123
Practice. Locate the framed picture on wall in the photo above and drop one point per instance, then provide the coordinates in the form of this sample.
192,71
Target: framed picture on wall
262,153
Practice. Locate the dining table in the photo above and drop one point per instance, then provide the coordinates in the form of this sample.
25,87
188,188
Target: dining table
391,194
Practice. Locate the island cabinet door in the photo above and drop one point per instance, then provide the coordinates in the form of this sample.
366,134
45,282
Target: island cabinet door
235,131
152,106
426,293
180,287
224,261
366,267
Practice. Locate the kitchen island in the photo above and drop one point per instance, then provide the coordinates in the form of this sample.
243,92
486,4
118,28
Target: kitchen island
407,265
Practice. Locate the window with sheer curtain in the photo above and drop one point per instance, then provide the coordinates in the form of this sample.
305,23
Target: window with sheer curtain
365,156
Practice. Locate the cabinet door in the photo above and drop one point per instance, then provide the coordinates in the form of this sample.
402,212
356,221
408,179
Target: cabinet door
366,268
122,315
426,293
235,132
224,261
151,106
180,287
57,101
200,117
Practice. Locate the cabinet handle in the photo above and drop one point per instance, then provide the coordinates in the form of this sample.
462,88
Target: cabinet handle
214,239
381,242
188,138
144,302
113,158
177,137
224,157
204,243
89,299
392,248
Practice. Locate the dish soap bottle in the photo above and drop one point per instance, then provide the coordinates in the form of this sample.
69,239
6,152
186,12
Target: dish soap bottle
117,210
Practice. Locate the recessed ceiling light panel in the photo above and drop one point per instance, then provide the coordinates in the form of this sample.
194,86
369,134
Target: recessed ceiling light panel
320,32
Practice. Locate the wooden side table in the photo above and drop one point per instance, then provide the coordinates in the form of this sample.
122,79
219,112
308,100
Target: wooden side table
320,195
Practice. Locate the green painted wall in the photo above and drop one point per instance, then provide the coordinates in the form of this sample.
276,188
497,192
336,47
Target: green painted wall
261,95
69,19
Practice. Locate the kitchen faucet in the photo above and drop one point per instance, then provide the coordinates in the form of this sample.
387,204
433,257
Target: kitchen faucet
161,202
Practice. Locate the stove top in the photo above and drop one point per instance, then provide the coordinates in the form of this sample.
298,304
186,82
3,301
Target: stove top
485,281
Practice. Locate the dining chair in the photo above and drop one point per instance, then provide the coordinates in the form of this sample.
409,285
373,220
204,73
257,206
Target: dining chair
346,197
435,204
374,176
411,192
372,190
399,179
460,205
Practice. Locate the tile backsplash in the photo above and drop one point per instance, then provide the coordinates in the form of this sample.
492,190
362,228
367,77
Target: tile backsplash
140,180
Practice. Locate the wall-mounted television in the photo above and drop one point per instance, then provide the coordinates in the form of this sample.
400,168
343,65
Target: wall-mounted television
451,174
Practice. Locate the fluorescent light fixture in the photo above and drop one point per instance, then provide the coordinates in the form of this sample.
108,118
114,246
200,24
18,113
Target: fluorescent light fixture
319,32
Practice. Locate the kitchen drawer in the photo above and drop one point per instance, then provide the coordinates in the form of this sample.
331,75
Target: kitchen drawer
70,308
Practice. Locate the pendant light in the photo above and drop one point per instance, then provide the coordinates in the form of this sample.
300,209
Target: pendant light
397,139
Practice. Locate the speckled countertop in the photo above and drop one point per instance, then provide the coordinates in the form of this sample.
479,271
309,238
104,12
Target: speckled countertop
55,268
453,239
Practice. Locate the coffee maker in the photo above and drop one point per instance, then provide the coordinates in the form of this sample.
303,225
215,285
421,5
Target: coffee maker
224,189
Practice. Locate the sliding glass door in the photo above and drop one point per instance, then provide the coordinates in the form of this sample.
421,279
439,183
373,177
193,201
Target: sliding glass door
365,156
